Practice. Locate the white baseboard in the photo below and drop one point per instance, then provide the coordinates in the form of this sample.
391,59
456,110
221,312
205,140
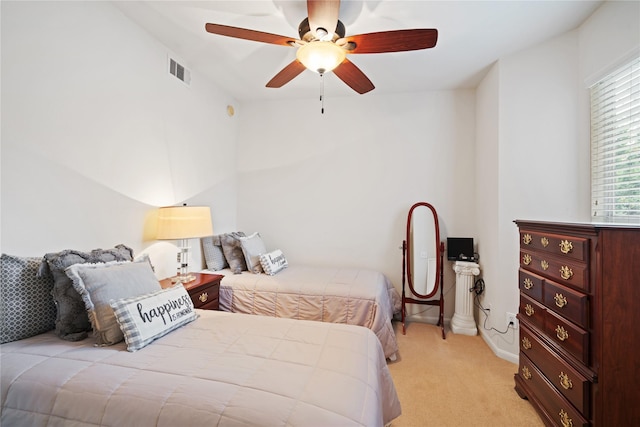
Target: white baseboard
502,354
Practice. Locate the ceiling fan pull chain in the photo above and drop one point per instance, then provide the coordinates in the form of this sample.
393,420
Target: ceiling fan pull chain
321,93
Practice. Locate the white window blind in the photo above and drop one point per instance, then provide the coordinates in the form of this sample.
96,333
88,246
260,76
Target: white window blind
615,146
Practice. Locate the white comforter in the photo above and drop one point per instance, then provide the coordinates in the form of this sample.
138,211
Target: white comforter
222,369
338,295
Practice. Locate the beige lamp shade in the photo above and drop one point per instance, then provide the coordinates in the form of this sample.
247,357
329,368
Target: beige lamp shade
184,222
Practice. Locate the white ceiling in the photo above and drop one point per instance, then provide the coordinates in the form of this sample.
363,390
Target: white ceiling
472,36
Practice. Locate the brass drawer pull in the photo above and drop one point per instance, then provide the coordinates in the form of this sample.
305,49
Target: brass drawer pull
526,373
528,283
565,272
564,419
526,344
565,381
561,300
203,297
566,246
528,310
526,239
561,333
544,264
544,241
526,259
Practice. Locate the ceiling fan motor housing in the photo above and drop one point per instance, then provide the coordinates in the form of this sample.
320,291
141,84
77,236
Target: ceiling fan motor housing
306,34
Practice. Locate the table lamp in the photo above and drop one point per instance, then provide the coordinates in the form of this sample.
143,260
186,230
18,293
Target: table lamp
184,223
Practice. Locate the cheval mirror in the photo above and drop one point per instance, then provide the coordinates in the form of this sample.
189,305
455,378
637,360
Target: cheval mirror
422,260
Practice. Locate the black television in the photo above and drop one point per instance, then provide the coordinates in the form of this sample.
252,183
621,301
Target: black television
460,249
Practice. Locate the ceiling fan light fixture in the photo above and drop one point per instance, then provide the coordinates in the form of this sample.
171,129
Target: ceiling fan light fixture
321,56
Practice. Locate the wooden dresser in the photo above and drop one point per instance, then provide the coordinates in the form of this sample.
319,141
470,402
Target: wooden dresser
580,322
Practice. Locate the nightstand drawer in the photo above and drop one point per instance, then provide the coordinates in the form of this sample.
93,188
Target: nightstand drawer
204,290
203,297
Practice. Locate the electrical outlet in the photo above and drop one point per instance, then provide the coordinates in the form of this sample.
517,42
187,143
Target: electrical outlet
512,320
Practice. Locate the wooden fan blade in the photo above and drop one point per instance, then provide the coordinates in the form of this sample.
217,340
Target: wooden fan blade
287,74
243,33
323,14
353,77
391,41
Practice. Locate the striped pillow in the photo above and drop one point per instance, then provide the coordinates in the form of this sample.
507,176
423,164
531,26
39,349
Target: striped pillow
145,318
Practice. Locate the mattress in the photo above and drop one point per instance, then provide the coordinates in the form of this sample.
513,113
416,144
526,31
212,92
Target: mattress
222,369
337,295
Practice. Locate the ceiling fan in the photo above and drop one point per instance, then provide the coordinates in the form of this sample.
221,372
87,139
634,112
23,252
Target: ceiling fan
323,47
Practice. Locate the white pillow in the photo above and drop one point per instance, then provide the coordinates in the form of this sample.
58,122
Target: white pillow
98,284
252,248
145,318
273,262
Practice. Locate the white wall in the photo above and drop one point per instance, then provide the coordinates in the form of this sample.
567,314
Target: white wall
540,136
335,189
96,134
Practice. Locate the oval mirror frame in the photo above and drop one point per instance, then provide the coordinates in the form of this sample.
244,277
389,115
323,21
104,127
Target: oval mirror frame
431,290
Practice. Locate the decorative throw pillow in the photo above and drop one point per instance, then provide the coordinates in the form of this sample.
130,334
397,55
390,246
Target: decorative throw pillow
233,251
213,254
273,262
146,318
252,248
99,284
72,321
26,307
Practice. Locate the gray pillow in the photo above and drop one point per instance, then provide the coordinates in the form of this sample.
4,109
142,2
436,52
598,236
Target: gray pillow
72,321
233,251
252,248
102,283
213,254
26,306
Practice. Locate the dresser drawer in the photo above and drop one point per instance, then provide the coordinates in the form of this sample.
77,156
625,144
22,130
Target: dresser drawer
566,379
570,304
561,412
567,272
531,284
532,312
576,248
572,338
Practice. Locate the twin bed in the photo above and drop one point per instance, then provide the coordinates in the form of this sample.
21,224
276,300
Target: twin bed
221,369
336,295
310,366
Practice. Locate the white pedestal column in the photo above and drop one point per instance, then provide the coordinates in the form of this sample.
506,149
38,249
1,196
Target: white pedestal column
463,321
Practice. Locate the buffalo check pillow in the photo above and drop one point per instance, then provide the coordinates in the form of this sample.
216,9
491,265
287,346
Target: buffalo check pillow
145,318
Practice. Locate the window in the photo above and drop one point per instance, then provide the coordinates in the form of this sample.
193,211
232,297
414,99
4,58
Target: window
615,146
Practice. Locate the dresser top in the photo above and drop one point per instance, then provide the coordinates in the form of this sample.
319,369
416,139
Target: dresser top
578,226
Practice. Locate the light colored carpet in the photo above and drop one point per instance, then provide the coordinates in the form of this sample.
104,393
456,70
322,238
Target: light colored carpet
458,381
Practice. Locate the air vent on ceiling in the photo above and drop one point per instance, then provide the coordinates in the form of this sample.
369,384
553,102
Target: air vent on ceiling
179,71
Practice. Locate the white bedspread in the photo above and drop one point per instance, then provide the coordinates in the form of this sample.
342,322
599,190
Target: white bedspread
338,295
222,369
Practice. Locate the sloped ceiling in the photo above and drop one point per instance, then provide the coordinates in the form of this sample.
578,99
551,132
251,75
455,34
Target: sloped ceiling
472,36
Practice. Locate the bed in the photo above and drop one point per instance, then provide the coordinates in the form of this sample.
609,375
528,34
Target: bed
329,294
220,369
114,348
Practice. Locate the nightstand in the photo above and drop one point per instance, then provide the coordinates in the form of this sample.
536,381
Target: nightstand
204,290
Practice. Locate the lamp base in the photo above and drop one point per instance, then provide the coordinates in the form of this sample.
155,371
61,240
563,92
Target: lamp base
183,278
